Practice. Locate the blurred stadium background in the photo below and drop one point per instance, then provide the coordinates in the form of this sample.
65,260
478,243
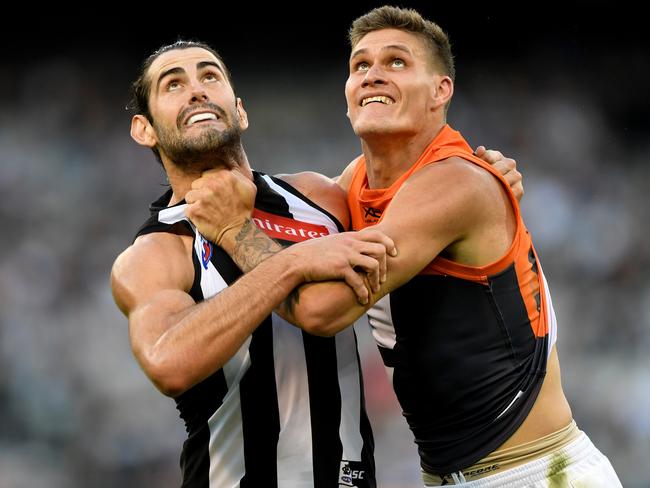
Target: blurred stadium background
562,88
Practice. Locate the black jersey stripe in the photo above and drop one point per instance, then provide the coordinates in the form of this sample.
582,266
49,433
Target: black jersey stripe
260,415
196,406
268,199
512,309
367,454
325,407
307,200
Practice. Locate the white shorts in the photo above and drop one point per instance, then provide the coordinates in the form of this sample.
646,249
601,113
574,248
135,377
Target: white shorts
577,465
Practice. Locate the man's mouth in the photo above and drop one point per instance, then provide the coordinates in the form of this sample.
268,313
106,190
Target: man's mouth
200,117
379,99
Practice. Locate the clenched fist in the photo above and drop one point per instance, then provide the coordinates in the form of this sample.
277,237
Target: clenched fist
221,200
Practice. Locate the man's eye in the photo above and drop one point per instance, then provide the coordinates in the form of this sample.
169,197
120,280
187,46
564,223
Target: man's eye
363,66
173,85
398,63
210,77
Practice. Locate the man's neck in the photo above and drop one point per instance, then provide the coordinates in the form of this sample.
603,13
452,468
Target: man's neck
180,179
389,157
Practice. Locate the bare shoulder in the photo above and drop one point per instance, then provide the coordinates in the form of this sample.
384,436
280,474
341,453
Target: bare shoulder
323,191
153,262
308,182
458,179
455,168
454,197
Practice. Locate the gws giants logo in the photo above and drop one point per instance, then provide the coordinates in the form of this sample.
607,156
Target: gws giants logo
371,215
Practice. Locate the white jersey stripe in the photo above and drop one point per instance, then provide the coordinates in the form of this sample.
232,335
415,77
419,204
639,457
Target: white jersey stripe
348,371
226,445
381,321
301,210
171,215
294,462
551,320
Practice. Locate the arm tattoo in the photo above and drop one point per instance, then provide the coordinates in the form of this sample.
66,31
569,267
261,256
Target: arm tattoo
252,246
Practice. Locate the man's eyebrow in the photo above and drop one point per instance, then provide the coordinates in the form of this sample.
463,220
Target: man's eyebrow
399,47
171,71
203,64
177,70
358,52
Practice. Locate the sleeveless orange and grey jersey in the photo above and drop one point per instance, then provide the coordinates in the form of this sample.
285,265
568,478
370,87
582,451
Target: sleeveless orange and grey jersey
469,345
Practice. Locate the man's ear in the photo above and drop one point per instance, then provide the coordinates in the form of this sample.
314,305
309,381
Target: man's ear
442,90
142,131
243,116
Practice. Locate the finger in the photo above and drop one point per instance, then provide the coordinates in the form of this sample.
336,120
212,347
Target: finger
354,281
191,196
479,151
370,266
198,195
504,165
513,177
383,269
491,156
190,212
378,252
380,238
197,183
213,172
502,168
242,179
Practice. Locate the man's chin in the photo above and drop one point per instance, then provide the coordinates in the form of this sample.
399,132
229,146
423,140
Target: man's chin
373,129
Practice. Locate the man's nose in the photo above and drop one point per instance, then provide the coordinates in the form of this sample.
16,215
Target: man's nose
198,93
374,76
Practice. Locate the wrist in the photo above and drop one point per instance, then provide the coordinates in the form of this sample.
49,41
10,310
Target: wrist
293,264
227,238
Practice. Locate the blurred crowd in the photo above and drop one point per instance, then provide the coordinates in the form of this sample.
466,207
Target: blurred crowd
75,409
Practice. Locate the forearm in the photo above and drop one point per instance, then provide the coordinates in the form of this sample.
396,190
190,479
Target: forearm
205,336
322,308
249,246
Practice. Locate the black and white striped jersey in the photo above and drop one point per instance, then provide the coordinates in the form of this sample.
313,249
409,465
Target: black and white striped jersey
287,410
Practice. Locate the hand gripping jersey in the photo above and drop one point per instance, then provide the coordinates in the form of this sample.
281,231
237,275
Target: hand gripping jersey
469,345
287,410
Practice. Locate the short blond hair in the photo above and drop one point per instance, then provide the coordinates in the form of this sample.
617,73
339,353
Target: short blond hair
408,20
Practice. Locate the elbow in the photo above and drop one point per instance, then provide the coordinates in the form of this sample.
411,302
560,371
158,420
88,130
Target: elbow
165,376
320,323
171,387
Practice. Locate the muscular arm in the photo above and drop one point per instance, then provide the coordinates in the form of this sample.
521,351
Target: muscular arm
249,246
176,341
460,209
